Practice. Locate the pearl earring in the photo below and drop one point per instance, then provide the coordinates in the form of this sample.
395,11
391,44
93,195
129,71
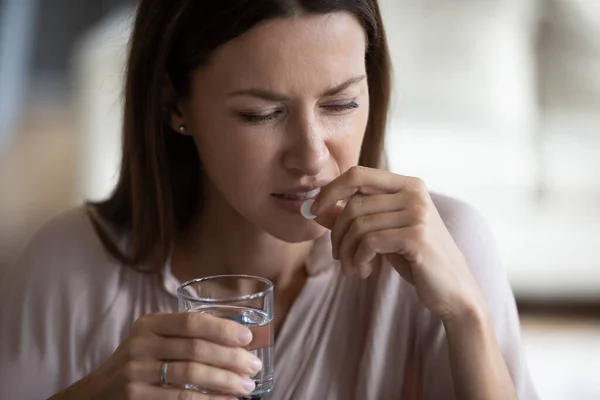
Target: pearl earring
182,129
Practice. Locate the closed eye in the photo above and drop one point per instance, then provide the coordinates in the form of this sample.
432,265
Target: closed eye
342,107
254,118
257,118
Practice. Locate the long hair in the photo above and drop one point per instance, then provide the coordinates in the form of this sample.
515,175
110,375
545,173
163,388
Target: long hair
159,187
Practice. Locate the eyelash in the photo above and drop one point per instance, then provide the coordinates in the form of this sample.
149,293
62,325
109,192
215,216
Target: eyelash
258,118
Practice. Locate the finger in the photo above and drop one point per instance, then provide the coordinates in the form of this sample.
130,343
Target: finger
399,246
398,240
365,270
363,180
366,224
180,373
360,206
328,217
235,359
150,392
211,378
195,325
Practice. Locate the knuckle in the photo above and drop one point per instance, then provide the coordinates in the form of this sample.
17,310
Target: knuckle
190,372
230,380
129,372
238,357
141,324
135,348
189,321
197,349
364,221
219,378
371,240
420,213
223,330
419,185
132,391
355,173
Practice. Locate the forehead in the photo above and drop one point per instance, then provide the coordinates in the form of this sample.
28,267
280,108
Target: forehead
292,54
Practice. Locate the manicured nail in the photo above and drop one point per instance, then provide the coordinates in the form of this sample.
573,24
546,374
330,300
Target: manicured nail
255,364
248,385
245,336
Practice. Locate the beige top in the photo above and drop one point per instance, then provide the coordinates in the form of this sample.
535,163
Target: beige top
66,305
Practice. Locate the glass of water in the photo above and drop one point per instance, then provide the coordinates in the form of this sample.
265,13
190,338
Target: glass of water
245,299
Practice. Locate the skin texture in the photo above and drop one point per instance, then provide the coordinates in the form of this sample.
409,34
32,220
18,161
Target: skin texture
252,147
309,138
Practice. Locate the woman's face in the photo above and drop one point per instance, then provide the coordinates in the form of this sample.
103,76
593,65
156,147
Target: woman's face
277,113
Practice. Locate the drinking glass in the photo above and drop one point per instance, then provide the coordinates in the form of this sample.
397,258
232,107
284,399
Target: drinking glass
245,299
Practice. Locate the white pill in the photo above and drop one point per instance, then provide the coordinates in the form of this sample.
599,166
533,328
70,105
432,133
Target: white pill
305,209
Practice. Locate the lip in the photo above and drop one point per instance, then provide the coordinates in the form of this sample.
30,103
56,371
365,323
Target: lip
290,205
303,188
291,199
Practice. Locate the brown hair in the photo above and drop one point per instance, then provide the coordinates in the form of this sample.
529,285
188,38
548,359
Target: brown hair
158,190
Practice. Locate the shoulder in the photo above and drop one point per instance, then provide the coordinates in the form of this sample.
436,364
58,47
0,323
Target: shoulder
470,230
473,236
64,229
60,286
64,262
66,244
459,217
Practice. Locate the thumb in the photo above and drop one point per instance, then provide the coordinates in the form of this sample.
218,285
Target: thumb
328,217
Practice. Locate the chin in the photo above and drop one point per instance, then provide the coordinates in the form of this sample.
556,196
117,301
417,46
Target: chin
298,231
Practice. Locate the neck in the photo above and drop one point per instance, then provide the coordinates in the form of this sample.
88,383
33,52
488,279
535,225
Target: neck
220,241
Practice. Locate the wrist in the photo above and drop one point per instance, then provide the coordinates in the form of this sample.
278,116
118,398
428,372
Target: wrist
470,316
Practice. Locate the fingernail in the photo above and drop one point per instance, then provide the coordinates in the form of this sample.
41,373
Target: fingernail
255,364
245,336
248,385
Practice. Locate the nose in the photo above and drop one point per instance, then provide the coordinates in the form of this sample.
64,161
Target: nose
306,152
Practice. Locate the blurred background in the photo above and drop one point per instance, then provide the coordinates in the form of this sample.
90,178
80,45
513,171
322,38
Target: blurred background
496,103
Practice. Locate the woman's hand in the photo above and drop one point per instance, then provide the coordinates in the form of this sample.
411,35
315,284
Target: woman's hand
393,216
200,349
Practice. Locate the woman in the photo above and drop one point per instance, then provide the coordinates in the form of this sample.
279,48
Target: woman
236,112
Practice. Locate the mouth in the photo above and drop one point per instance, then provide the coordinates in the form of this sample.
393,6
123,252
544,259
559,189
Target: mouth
298,195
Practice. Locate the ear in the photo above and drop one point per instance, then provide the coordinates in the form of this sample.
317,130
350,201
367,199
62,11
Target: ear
171,105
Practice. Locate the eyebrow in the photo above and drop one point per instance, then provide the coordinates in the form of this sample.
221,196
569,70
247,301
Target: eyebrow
272,96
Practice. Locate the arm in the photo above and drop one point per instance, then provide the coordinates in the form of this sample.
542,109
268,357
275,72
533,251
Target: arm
459,354
441,247
60,296
476,362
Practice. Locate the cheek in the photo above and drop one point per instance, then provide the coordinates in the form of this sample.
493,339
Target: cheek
346,140
234,152
235,160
